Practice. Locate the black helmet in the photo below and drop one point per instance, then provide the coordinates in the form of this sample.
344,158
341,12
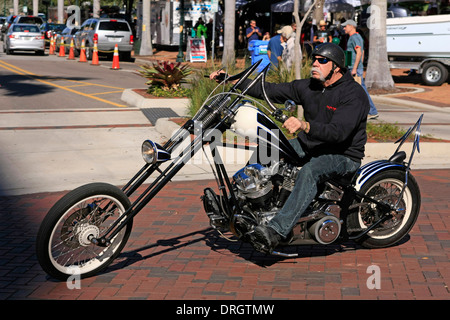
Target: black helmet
331,51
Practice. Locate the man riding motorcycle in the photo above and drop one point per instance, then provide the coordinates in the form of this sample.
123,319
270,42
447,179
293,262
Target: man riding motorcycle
331,139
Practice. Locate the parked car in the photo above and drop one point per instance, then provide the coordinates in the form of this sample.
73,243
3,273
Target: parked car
108,32
67,34
6,24
29,20
49,29
24,37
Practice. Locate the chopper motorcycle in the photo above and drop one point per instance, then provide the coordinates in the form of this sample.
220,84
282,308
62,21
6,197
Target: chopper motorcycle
377,206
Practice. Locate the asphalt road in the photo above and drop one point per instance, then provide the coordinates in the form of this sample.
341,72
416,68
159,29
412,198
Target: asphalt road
30,82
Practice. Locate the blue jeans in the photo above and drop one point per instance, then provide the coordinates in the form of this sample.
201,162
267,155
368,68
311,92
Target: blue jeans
317,170
373,109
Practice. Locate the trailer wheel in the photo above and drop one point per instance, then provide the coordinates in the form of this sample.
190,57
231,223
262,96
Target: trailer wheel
434,74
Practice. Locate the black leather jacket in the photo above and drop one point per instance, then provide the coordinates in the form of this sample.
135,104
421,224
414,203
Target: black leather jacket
337,114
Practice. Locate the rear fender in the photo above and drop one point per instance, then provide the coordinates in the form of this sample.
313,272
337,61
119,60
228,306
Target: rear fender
370,169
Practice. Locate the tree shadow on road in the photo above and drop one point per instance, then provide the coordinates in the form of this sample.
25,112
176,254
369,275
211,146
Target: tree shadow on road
20,85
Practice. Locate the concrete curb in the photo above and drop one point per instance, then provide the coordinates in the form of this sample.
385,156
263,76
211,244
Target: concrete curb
388,99
166,127
178,105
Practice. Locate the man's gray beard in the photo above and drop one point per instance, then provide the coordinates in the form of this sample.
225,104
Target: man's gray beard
322,77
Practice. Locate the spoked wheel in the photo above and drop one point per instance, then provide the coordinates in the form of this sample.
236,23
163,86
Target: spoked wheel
387,187
63,244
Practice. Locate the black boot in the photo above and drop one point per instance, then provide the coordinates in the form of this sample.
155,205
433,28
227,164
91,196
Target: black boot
265,239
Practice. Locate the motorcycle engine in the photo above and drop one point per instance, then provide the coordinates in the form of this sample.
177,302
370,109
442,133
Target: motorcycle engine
264,189
254,184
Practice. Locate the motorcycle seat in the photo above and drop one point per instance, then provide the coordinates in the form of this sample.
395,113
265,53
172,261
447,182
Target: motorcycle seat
398,157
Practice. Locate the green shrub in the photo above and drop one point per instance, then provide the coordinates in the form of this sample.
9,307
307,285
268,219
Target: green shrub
165,78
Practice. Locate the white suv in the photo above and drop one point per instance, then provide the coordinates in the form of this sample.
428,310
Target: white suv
108,32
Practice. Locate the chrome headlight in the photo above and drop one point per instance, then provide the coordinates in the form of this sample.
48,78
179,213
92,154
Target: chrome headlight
149,152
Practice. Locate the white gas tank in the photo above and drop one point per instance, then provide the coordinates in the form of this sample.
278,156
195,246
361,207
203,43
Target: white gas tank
246,122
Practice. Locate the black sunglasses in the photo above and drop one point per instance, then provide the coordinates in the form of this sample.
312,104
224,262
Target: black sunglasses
321,60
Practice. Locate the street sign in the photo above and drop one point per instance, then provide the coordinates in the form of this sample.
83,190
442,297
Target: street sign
196,49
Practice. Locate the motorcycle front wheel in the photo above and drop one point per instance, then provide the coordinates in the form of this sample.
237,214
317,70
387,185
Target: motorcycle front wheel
386,187
63,245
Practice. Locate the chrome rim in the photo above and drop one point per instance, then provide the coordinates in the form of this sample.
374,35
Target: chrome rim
70,248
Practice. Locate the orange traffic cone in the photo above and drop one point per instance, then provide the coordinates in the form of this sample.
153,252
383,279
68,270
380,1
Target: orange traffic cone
115,64
71,53
62,49
83,52
51,49
95,55
54,44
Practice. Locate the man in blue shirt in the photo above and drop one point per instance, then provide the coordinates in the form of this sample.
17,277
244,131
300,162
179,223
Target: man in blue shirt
253,32
355,45
276,45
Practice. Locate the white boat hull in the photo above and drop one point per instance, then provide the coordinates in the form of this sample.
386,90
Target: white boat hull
422,36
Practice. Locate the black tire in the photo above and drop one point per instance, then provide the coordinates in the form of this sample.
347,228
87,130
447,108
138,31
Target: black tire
62,245
434,74
89,52
125,56
386,186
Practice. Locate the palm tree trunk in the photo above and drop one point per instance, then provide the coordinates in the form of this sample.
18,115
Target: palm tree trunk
228,58
378,73
146,41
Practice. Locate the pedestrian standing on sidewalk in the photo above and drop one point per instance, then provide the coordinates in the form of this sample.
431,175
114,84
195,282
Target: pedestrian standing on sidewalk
355,45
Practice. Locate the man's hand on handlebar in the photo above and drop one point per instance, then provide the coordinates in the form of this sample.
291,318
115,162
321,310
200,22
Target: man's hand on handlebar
215,75
220,76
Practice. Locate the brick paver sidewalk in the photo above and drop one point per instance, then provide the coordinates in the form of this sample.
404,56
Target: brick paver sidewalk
173,254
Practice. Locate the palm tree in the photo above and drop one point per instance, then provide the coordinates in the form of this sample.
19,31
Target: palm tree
228,58
146,41
378,73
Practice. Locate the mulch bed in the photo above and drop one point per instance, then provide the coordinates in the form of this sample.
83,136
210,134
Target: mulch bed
391,91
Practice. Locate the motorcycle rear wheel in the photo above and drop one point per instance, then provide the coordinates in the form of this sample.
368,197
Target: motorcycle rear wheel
386,186
63,245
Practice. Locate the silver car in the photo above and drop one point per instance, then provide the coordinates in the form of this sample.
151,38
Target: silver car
24,37
108,32
67,34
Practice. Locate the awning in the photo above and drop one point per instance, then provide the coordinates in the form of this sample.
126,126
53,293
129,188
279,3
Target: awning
283,6
330,5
